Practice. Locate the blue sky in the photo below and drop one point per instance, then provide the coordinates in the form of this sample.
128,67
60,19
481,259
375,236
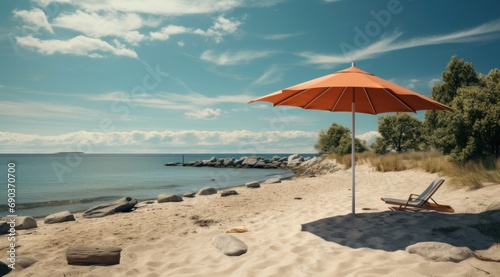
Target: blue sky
175,76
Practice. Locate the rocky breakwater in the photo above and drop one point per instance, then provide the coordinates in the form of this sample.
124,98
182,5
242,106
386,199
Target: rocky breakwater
291,161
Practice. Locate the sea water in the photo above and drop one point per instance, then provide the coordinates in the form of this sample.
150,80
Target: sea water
49,183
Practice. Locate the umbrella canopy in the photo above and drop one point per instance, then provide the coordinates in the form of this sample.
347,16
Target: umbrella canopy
356,91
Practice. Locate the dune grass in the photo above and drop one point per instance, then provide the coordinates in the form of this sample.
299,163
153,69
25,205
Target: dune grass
472,175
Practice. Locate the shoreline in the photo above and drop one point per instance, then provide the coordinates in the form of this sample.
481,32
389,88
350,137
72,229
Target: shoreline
111,199
311,236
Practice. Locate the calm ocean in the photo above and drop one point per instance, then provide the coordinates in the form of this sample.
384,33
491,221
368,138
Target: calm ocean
50,183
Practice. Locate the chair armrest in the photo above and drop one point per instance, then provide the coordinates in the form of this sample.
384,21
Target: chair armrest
410,198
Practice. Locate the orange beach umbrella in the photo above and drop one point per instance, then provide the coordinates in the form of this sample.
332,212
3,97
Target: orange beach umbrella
352,90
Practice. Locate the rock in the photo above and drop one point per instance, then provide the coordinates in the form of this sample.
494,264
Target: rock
171,164
125,204
229,245
4,227
59,217
228,162
273,181
440,252
24,261
228,193
207,191
294,160
22,222
189,194
239,229
260,164
251,161
83,255
310,162
143,204
491,255
252,185
4,268
239,161
495,216
166,197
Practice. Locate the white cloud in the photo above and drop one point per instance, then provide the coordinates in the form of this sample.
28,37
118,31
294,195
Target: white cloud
108,24
80,46
205,114
170,101
241,140
369,137
411,83
180,43
35,18
433,82
155,7
169,30
45,110
280,36
272,75
229,58
222,27
483,32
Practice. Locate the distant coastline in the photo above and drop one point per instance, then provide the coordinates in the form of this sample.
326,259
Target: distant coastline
78,153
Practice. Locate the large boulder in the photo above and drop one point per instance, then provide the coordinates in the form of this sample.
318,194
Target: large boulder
229,245
228,193
25,261
273,181
250,161
22,222
189,194
260,164
59,217
294,160
4,268
125,204
491,254
228,162
253,185
166,197
440,252
207,191
4,227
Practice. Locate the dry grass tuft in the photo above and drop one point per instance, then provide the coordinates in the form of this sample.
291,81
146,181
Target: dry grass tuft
471,175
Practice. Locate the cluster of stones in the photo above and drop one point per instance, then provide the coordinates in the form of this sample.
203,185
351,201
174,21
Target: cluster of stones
252,162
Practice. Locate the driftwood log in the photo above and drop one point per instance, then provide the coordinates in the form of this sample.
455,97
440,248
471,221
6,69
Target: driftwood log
100,255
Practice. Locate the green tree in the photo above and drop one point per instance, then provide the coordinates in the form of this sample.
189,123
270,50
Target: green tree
473,131
400,132
337,139
477,120
380,146
438,127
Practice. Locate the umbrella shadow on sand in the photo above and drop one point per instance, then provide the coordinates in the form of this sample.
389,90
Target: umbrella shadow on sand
392,231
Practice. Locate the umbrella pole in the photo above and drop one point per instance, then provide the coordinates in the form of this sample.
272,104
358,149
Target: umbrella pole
353,158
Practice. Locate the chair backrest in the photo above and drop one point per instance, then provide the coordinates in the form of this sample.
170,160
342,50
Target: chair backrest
429,191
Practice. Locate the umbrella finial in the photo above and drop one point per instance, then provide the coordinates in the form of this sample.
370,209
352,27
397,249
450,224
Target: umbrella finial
353,64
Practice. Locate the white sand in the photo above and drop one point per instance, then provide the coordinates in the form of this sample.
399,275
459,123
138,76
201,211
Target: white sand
314,236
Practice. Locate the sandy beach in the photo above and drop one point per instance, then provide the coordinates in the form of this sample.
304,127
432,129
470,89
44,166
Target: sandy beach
299,227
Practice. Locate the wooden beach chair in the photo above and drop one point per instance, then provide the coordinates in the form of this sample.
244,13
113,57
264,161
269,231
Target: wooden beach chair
421,201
